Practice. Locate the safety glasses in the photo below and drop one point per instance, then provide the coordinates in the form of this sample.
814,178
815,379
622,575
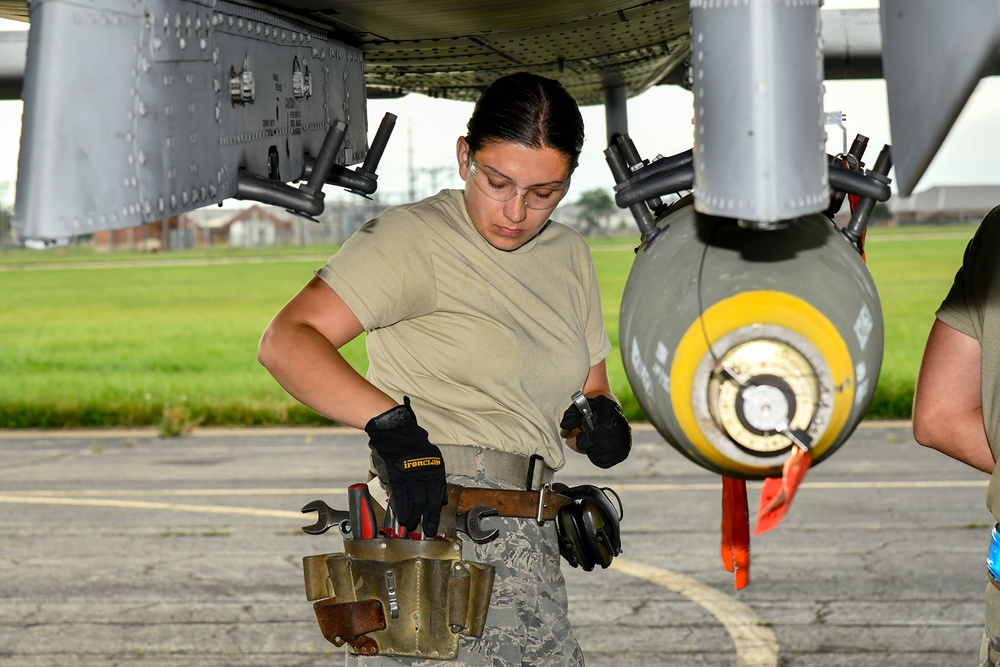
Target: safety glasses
500,188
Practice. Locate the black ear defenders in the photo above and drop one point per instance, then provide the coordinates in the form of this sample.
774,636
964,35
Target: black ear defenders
589,527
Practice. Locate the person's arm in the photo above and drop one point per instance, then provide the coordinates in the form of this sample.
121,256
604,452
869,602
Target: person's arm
610,441
596,384
947,401
300,349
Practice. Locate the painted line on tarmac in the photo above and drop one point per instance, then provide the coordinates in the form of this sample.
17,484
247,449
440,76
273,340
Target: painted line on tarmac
30,496
875,484
177,492
756,645
146,505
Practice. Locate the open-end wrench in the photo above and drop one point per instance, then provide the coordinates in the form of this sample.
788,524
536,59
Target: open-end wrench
468,523
328,518
583,405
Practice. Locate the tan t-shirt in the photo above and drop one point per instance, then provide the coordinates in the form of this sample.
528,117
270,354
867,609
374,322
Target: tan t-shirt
489,345
973,308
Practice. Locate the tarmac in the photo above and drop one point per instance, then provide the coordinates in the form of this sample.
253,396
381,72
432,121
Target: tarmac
124,548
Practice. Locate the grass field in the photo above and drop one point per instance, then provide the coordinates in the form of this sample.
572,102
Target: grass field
913,269
128,340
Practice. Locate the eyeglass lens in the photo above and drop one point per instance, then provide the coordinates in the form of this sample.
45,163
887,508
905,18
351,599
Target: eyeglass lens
501,189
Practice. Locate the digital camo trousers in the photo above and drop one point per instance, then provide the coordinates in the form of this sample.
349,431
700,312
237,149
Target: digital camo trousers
989,650
527,621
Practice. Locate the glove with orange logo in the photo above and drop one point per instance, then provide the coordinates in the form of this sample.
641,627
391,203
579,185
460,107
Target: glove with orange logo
411,466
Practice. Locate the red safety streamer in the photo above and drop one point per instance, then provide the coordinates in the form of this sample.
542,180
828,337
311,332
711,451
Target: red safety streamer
735,549
777,494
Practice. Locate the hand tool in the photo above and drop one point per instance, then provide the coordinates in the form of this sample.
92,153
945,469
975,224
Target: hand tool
583,405
468,523
362,512
328,517
391,526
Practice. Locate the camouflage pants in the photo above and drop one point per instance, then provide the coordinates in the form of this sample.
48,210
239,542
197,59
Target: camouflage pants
527,622
989,651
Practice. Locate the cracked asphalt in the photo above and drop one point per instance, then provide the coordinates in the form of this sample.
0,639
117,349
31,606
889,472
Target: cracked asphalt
122,548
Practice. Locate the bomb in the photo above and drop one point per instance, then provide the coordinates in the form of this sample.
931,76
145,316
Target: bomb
742,344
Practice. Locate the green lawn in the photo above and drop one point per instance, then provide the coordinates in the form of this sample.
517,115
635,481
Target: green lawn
913,269
94,340
115,345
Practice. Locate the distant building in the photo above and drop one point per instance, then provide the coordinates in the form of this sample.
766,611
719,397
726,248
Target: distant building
255,226
945,205
169,233
252,226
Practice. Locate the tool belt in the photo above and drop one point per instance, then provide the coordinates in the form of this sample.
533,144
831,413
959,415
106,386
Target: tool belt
398,596
414,597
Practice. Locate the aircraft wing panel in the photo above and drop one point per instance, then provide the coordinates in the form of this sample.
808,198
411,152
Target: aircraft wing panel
933,58
171,102
453,50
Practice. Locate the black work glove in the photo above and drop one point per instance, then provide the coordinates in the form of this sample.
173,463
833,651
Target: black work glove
610,441
411,465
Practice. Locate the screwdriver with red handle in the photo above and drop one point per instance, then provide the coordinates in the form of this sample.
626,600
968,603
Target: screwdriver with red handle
362,511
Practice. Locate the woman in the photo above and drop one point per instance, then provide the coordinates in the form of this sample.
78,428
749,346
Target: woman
483,319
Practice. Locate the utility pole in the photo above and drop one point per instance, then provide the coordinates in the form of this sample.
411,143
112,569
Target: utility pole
410,172
435,173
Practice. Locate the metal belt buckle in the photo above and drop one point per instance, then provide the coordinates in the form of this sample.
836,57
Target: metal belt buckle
541,502
529,483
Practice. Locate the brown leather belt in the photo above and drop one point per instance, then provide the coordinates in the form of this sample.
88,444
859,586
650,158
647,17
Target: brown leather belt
541,505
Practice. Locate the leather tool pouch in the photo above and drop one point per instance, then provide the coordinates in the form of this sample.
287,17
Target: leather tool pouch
398,596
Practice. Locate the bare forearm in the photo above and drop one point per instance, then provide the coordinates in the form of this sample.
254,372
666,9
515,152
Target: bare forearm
947,401
962,437
314,372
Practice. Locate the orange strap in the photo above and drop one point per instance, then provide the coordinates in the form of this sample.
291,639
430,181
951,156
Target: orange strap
775,499
735,549
777,494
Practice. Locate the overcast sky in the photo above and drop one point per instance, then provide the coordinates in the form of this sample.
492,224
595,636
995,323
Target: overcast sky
659,123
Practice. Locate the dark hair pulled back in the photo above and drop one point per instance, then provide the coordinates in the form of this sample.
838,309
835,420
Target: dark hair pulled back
529,110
